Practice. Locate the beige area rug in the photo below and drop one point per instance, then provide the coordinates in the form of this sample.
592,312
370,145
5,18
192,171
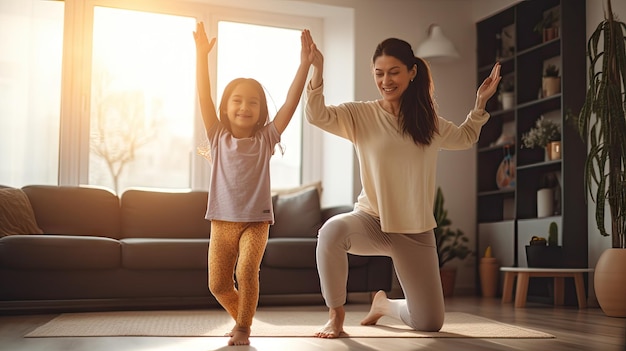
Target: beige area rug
267,323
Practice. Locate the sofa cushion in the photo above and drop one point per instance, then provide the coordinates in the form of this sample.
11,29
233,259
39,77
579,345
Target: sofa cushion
296,253
174,254
74,210
16,213
298,189
164,214
297,215
290,253
59,252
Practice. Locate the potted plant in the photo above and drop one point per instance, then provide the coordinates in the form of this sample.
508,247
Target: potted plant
551,82
602,121
545,253
543,134
451,244
546,27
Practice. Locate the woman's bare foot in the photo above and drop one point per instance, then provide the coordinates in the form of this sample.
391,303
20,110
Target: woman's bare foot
380,307
239,336
334,326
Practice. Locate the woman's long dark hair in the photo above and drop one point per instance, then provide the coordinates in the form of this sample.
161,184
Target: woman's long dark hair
418,117
228,91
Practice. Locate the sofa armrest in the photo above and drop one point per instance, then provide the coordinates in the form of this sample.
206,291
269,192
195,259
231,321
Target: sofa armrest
330,211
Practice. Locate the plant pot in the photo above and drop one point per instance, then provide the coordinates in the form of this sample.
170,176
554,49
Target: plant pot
544,256
551,86
489,271
610,282
448,280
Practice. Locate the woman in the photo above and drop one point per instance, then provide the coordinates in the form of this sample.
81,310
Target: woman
397,139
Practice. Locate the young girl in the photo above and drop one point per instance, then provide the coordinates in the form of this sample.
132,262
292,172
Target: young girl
239,207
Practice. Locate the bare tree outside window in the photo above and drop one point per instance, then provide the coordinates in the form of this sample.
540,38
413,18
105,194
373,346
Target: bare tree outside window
120,127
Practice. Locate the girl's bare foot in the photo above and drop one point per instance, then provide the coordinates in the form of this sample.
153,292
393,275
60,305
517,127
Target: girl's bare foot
334,326
380,307
239,336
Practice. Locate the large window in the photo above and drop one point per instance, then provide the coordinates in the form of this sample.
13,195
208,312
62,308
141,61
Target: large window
31,38
101,92
107,96
142,99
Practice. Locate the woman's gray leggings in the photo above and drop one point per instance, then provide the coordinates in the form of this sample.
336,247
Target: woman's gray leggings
414,258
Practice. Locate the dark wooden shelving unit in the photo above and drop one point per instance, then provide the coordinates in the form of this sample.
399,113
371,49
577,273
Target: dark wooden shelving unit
507,217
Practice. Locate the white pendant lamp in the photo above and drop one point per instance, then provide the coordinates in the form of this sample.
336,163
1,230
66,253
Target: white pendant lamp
437,46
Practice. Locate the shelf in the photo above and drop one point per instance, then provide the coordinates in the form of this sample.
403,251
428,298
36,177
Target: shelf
552,165
545,50
500,212
501,192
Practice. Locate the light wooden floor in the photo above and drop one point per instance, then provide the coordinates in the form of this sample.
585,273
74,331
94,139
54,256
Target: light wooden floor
587,329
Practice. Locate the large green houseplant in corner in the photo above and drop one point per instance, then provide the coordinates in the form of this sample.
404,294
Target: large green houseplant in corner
602,122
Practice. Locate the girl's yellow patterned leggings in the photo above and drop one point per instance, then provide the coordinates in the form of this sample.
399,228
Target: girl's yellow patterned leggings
236,250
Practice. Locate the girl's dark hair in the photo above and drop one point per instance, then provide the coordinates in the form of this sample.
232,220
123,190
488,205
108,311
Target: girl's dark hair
228,91
418,117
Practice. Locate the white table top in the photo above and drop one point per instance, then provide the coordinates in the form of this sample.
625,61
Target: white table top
533,269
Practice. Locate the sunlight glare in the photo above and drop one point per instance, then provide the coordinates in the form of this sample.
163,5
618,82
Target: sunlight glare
149,52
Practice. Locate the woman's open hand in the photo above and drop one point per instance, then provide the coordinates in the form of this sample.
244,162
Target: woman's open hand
488,88
314,56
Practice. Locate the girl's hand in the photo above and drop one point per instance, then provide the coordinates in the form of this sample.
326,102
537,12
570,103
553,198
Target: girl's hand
306,42
489,87
313,55
203,46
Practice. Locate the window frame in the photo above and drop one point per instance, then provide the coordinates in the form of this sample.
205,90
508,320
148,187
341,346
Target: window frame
76,81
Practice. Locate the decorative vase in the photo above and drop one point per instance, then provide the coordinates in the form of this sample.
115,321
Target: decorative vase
508,100
610,282
489,273
551,86
545,202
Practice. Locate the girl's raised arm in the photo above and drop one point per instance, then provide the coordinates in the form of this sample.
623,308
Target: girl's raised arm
284,114
203,47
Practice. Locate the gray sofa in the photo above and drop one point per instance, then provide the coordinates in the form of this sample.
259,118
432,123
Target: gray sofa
148,248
